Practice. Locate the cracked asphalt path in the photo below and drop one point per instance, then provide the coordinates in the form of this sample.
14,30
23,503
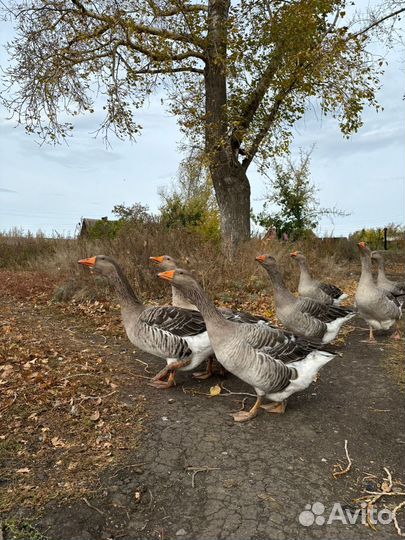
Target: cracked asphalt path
263,473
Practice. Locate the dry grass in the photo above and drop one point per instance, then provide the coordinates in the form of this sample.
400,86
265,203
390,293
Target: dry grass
231,283
64,396
395,361
65,405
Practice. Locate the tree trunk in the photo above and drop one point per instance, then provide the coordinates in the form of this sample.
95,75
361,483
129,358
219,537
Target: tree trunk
232,189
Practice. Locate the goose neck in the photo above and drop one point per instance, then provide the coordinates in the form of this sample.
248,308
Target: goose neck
380,268
366,273
205,306
179,300
305,275
129,302
281,293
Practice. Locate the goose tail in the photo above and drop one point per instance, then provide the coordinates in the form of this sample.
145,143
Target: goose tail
307,369
337,301
333,327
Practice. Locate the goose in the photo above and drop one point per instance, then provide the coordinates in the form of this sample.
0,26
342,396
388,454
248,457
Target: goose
379,309
252,351
304,316
165,262
312,288
396,288
178,335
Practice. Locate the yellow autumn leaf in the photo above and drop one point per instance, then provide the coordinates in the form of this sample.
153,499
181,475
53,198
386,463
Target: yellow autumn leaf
215,390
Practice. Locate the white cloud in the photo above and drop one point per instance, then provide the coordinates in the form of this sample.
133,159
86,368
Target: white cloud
52,187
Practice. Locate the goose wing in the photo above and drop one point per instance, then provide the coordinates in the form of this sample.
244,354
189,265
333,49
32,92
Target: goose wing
242,316
388,306
178,321
398,289
391,296
278,343
331,290
272,374
323,312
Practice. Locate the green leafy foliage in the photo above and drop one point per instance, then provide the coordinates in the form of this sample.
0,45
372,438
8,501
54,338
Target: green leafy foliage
190,203
291,205
374,238
104,229
276,56
237,75
136,214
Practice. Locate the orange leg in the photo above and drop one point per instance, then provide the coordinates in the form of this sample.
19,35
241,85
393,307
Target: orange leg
244,416
275,407
162,373
162,385
207,373
158,382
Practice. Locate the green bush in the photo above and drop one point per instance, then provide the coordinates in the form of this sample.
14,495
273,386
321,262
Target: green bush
374,238
105,229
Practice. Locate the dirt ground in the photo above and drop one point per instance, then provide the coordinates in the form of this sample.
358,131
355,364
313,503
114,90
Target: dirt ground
90,451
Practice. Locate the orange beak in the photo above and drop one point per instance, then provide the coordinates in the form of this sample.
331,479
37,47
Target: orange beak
168,276
261,258
362,244
294,253
157,260
90,262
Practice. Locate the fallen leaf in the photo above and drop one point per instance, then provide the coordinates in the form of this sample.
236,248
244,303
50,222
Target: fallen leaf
215,390
385,486
57,443
95,416
24,470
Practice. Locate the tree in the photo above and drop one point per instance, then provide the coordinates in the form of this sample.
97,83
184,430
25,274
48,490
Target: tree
375,237
291,192
134,213
190,202
237,75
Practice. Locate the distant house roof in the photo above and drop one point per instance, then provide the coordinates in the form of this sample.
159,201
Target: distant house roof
88,223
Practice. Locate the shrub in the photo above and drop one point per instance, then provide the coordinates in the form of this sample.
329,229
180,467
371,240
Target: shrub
375,237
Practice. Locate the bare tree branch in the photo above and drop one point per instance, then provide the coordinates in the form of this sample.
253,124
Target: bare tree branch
184,8
376,23
135,27
250,107
266,125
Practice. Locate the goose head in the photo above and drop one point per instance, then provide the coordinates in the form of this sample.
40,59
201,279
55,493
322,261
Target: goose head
267,261
183,280
364,249
377,256
164,262
298,256
102,264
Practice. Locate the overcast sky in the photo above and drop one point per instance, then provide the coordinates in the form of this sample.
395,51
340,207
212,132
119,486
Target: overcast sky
51,188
